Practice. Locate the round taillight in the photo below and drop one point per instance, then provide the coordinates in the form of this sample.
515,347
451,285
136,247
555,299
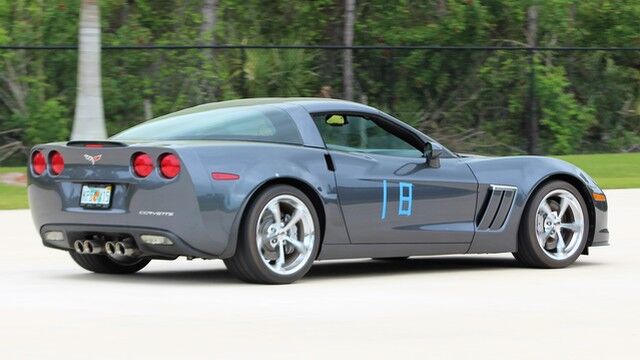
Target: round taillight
38,163
169,166
57,163
142,164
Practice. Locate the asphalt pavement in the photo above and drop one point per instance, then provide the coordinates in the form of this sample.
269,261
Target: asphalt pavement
474,306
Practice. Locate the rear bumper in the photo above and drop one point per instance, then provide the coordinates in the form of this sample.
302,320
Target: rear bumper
104,233
201,223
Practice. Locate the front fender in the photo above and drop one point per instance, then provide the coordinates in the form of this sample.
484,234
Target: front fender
527,173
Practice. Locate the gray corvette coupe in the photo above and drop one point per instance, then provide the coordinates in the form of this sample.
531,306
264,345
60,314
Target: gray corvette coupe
271,185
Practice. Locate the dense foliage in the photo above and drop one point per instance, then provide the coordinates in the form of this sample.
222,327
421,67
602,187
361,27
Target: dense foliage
585,101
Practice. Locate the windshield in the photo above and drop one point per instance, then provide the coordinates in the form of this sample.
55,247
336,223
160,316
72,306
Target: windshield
255,123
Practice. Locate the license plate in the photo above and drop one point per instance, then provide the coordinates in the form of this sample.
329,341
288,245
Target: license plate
96,196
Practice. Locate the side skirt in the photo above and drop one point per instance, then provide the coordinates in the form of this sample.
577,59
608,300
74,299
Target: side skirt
389,250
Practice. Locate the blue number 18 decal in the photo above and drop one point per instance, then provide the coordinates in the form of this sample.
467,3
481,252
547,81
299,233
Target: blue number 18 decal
384,199
405,199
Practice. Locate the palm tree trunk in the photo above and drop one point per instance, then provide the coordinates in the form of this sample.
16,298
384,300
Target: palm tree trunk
207,35
209,10
88,122
347,67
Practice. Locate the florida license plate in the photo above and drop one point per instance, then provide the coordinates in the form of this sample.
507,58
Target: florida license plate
96,196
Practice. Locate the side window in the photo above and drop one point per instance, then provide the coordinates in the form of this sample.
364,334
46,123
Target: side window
257,123
352,133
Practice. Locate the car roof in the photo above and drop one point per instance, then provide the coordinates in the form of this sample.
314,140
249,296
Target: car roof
311,104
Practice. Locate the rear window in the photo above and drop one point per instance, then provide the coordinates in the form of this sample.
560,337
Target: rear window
255,123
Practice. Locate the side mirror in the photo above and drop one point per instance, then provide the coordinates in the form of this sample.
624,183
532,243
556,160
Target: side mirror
432,152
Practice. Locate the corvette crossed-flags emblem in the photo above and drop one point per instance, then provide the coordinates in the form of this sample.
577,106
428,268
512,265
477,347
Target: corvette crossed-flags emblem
93,159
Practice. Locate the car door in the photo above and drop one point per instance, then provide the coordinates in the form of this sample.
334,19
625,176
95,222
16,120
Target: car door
388,193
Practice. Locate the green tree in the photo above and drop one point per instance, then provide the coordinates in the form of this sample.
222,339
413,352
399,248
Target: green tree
474,101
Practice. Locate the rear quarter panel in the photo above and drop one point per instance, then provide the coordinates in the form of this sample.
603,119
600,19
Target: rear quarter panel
222,203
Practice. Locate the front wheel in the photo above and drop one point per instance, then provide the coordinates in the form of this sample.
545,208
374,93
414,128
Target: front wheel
279,238
554,227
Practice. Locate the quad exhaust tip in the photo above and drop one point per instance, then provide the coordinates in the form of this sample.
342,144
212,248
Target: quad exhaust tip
121,249
125,248
91,247
112,248
78,245
87,247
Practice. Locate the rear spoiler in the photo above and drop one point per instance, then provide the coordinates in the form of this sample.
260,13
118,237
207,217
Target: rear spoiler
95,144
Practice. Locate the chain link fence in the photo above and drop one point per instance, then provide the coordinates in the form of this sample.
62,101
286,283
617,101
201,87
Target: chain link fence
490,100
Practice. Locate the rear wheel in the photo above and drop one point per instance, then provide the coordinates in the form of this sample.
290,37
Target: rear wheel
279,239
104,265
554,227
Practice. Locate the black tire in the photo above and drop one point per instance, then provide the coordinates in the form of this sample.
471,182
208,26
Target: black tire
102,264
529,252
246,264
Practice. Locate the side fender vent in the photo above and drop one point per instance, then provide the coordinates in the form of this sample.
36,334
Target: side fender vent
497,207
329,161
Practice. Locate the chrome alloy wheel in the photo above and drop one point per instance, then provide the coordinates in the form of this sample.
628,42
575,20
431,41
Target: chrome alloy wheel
559,224
285,234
